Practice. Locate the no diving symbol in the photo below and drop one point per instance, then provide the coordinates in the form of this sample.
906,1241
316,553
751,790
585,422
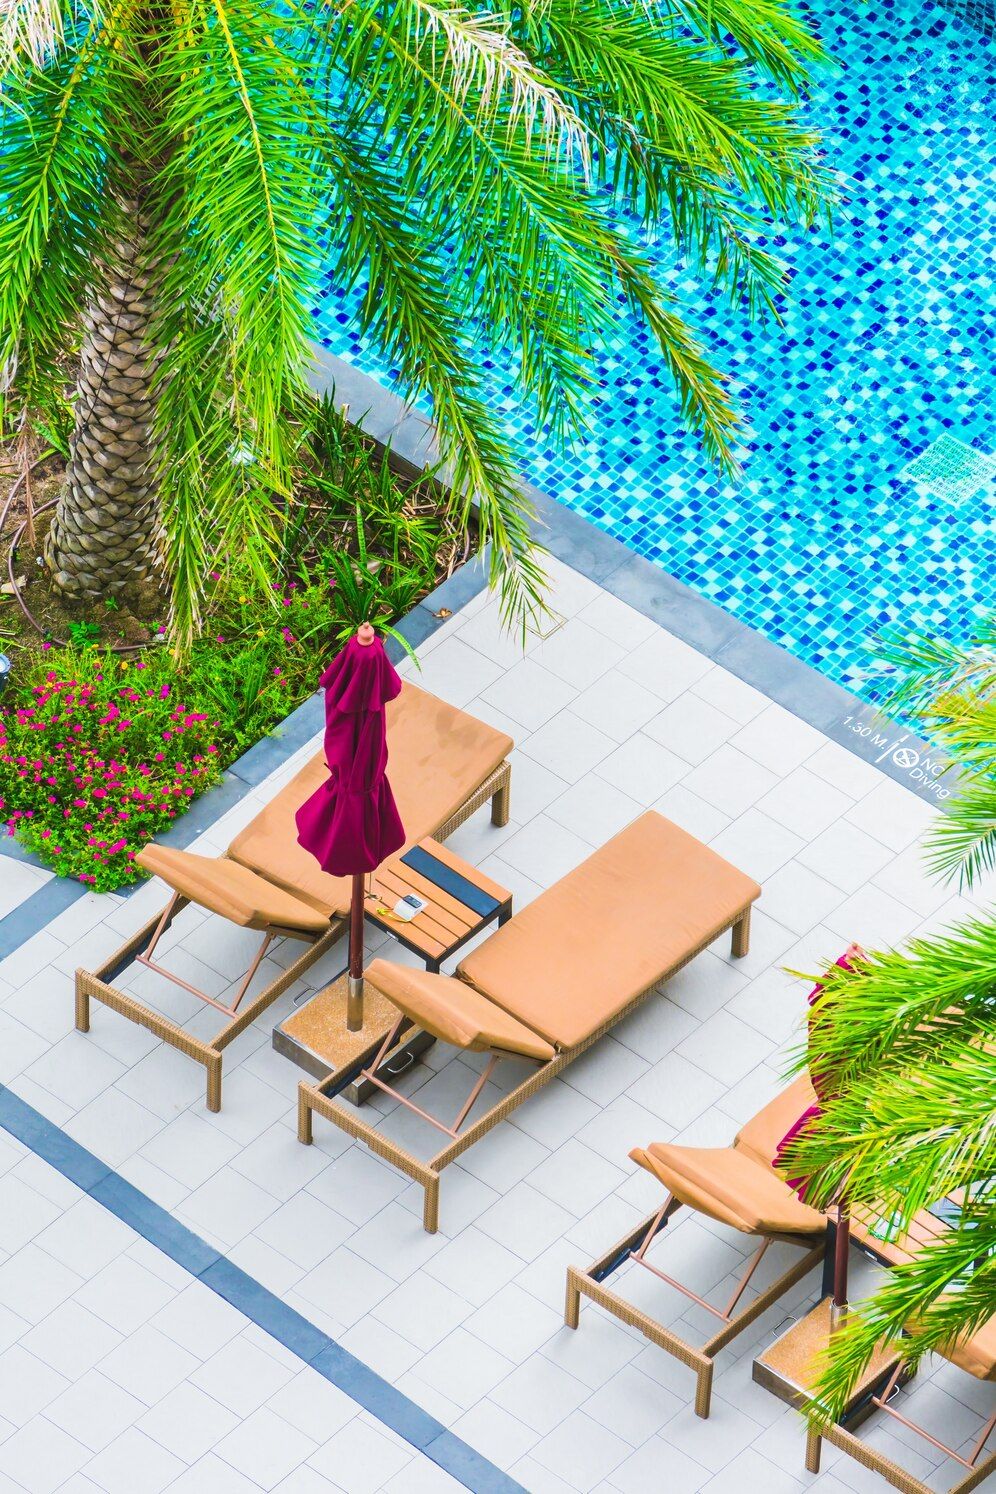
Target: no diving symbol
905,757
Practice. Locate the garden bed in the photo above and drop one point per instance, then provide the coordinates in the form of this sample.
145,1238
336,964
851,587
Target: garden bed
105,740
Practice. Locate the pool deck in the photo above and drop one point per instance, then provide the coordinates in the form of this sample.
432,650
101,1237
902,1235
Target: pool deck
349,1350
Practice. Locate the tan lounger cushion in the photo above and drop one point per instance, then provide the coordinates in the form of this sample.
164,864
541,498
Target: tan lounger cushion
437,757
230,890
622,920
977,1354
729,1187
760,1137
455,1012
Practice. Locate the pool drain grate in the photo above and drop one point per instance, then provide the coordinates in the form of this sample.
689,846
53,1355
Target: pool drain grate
950,470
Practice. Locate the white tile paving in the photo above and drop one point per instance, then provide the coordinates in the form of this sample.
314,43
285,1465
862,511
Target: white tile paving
120,1373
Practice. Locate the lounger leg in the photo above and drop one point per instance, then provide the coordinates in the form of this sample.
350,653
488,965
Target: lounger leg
501,802
741,936
213,1067
305,1119
430,1209
814,1445
82,1008
703,1391
572,1302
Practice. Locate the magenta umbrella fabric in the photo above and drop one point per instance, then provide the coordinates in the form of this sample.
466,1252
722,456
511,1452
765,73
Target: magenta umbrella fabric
821,1080
351,823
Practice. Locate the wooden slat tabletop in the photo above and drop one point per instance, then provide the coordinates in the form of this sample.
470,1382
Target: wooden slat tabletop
867,1229
445,921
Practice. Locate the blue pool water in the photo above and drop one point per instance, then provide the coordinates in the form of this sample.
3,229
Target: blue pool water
888,344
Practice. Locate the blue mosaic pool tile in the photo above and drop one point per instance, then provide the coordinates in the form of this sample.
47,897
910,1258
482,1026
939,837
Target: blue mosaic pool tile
887,344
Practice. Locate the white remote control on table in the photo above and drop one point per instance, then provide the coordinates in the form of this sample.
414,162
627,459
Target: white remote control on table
407,907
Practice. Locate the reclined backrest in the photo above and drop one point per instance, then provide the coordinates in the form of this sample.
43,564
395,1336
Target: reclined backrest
760,1137
437,757
976,1354
630,914
730,1187
230,890
454,1012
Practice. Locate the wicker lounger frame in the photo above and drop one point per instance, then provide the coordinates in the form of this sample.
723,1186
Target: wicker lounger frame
870,1457
320,1099
698,1357
97,985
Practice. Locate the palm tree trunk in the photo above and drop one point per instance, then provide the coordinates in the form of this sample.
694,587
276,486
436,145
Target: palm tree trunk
105,536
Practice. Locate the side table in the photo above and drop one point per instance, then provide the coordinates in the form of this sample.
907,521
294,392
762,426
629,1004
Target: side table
460,901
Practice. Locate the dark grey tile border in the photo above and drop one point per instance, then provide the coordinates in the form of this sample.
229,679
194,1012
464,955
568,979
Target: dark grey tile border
841,716
329,1359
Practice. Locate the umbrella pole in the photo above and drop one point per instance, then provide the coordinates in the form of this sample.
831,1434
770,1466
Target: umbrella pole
354,1003
841,1245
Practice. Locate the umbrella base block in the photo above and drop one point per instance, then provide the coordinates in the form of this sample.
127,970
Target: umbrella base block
790,1367
315,1036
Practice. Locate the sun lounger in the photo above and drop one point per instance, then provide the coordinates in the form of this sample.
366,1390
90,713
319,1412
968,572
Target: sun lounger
738,1186
735,1186
444,765
549,983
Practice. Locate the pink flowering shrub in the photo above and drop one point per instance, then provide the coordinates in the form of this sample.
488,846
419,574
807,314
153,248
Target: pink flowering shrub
97,761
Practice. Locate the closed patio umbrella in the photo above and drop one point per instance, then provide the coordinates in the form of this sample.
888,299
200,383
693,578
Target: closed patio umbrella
823,1081
351,823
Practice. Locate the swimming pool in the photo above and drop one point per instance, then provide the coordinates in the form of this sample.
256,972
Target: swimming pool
868,490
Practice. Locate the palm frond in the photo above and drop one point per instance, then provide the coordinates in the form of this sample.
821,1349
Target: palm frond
920,668
961,845
483,174
949,690
58,139
238,195
930,1303
770,33
536,253
897,1141
683,141
487,66
30,31
683,103
408,309
879,1010
705,401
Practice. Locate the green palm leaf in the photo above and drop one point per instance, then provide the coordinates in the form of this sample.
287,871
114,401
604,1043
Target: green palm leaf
467,169
908,1038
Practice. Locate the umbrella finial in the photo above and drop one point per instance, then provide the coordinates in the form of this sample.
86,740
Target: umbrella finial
365,634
